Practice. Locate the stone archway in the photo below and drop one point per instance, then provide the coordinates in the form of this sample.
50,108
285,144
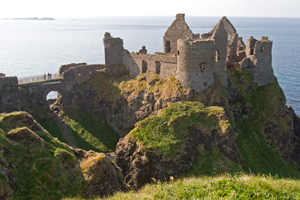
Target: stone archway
52,96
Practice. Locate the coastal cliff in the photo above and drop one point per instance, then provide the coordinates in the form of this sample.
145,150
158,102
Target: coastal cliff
167,132
263,135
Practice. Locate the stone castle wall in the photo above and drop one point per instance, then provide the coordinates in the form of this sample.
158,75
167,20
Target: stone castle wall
163,65
220,37
8,80
64,68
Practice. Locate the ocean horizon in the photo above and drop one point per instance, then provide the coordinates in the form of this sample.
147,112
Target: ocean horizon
35,47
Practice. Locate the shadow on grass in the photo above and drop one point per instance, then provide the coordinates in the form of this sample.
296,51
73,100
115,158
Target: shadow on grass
91,132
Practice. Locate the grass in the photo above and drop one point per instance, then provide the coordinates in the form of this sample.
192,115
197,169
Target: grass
167,132
239,186
91,132
51,126
45,170
211,163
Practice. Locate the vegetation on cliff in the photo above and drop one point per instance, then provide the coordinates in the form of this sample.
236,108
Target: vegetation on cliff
91,131
168,132
255,110
242,129
34,165
112,88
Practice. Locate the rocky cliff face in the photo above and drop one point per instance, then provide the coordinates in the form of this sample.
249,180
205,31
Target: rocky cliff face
169,144
124,102
264,132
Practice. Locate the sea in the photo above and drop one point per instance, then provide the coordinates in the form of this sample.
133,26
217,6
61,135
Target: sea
35,47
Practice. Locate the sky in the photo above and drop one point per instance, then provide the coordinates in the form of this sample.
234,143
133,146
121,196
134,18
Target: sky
98,8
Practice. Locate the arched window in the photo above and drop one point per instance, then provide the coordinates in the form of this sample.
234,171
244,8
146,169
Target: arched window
157,67
144,66
262,49
251,51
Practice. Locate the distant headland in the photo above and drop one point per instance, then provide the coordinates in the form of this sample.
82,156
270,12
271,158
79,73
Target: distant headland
29,18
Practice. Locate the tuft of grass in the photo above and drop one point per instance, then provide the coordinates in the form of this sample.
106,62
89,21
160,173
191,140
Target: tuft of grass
167,132
91,131
239,186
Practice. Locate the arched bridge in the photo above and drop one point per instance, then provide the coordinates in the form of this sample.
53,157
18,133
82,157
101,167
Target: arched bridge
40,79
34,89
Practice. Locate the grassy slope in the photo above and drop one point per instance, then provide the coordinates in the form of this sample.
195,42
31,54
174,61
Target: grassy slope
265,101
51,126
91,132
40,172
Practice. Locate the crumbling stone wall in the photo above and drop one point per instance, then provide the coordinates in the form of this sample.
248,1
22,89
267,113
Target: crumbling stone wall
10,97
195,63
163,65
259,59
64,68
220,37
232,39
80,74
178,30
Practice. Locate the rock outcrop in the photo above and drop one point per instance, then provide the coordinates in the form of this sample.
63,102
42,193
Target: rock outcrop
170,143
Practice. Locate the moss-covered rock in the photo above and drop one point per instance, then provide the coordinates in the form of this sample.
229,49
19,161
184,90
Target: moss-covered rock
169,144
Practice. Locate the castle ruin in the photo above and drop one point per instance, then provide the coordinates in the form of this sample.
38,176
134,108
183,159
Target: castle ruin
192,59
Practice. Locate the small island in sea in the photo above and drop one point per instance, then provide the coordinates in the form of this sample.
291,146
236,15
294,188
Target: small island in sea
29,18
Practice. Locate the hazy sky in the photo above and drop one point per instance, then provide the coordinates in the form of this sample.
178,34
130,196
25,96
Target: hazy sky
93,8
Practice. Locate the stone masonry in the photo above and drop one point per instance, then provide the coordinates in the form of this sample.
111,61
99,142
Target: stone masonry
193,60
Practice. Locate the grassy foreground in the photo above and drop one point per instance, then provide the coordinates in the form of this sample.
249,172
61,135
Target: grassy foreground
240,186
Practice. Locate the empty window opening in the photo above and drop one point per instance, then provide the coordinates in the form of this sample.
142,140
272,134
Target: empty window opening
144,66
178,53
217,56
202,66
168,46
251,51
157,67
79,74
262,49
241,48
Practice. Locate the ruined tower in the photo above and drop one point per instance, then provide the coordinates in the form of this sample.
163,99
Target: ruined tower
113,48
195,63
260,54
